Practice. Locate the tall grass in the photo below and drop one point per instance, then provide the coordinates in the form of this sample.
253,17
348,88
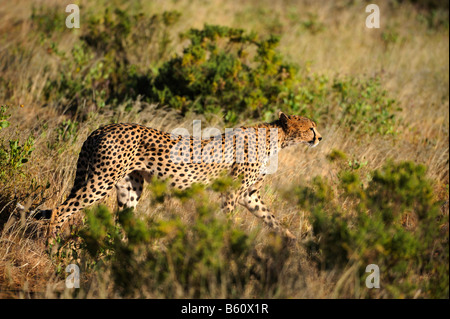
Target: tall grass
377,95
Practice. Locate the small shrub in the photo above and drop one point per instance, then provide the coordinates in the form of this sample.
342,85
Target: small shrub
365,106
362,106
312,23
169,258
14,154
224,71
373,228
16,185
4,123
102,68
336,155
48,20
168,255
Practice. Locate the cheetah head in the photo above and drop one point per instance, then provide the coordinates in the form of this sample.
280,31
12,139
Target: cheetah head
299,129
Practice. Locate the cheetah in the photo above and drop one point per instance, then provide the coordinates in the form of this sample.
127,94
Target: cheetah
125,155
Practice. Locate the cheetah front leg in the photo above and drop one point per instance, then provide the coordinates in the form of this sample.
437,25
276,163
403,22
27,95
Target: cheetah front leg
251,199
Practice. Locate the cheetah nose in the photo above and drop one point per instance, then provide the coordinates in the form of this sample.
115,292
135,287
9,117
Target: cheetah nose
320,139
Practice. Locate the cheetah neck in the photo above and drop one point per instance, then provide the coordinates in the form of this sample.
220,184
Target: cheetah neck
273,125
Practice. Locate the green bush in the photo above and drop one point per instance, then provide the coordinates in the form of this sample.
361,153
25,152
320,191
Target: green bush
123,54
48,20
224,71
365,106
104,66
14,154
361,105
169,258
4,123
239,76
393,222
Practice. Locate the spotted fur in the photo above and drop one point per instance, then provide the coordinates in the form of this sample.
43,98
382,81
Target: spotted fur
125,155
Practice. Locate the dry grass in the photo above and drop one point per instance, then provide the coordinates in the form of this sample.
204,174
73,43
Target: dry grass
414,69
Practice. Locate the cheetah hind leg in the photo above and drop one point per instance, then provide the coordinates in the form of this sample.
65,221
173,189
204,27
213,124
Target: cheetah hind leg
68,215
129,190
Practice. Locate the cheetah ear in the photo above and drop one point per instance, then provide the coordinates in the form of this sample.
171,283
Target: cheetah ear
283,118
